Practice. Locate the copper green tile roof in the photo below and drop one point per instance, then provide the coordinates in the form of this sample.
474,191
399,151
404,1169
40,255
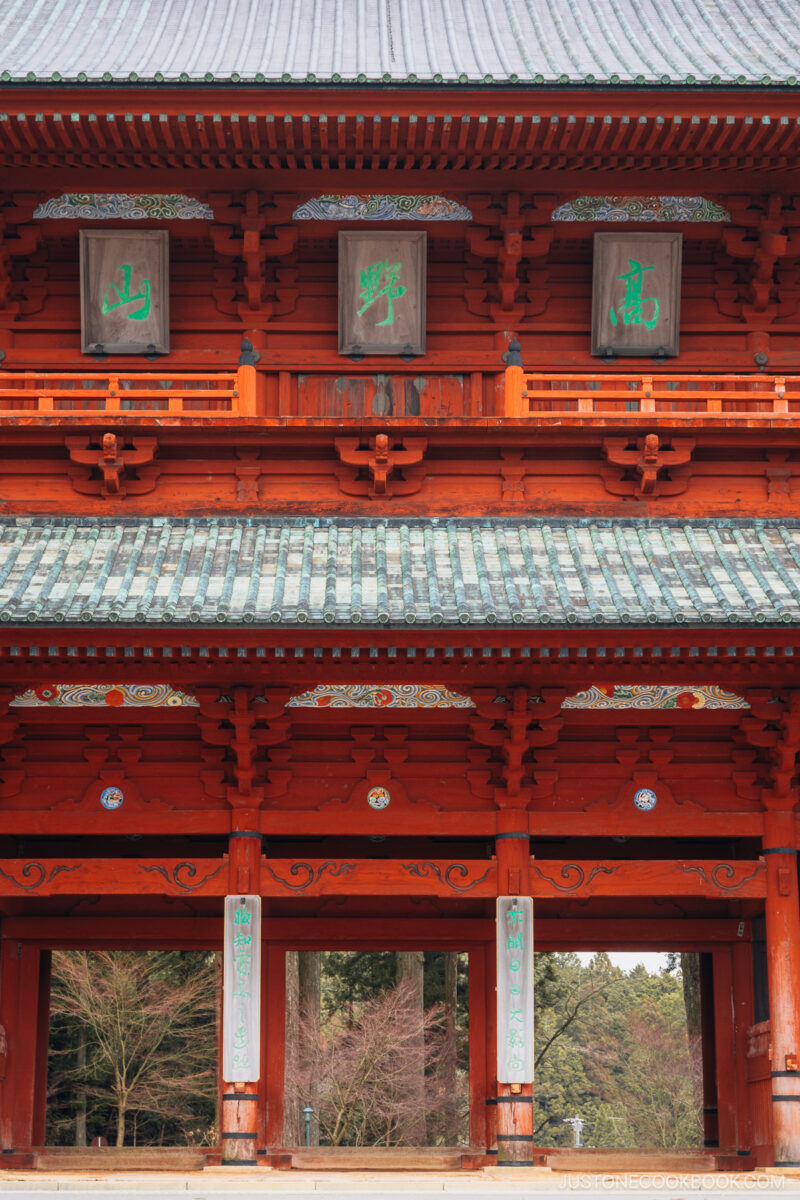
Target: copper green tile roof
639,42
229,571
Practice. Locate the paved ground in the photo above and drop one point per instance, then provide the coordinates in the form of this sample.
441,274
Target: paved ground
511,1184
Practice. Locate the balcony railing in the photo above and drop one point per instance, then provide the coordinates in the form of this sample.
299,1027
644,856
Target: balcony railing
677,398
586,398
231,393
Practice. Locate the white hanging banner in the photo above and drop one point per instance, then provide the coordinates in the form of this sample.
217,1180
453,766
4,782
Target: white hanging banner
241,990
514,989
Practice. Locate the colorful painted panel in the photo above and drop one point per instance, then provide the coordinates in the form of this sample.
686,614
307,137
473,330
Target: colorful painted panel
381,208
389,695
102,695
655,696
641,208
120,206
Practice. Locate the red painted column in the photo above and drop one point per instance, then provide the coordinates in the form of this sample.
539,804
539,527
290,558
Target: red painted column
708,1049
491,1048
42,1050
478,1093
10,961
239,1107
514,1100
725,1047
783,974
275,1039
19,1005
743,1006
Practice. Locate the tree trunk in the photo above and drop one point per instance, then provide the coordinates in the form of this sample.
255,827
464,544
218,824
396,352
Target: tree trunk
690,972
292,1118
310,994
80,1115
120,1123
410,970
451,1052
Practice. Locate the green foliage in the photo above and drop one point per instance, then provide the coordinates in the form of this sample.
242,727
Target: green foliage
612,1048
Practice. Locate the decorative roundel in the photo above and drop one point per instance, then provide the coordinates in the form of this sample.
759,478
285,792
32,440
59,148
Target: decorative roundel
112,797
378,797
645,799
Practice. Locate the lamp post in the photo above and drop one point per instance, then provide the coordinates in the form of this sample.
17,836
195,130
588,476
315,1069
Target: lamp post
577,1124
308,1113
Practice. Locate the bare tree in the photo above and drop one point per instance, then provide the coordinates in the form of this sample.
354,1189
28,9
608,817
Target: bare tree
366,1070
150,1033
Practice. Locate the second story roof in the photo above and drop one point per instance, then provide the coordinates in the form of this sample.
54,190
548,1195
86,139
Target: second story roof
441,42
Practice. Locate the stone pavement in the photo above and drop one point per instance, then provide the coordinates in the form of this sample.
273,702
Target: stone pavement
217,1183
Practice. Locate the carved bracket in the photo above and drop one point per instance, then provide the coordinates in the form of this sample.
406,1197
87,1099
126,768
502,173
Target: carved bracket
501,236
758,235
244,726
115,463
514,728
19,240
648,459
381,460
250,231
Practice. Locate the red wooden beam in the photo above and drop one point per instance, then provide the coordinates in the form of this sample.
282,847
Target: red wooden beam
551,933
283,877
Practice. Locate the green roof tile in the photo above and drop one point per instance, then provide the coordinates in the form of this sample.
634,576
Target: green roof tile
396,572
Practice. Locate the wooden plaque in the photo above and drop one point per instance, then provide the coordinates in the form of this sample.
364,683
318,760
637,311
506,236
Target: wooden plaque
514,989
636,293
124,291
382,292
241,990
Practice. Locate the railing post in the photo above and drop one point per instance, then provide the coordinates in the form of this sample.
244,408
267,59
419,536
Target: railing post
647,403
515,382
246,381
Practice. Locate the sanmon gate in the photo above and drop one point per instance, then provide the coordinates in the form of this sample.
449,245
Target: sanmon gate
380,624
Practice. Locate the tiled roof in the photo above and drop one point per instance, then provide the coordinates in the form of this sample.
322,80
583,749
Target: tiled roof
396,572
729,42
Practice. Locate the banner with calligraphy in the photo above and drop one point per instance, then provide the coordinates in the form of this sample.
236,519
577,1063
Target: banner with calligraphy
241,990
124,291
382,282
636,294
514,989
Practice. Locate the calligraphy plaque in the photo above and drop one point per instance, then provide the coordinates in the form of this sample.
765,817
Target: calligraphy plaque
514,989
241,990
636,294
382,281
124,291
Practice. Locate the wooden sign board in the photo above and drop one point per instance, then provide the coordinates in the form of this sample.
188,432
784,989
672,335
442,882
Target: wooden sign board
382,281
241,990
514,989
124,291
636,293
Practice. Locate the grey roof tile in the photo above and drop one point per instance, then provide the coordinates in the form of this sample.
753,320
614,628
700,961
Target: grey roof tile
232,570
732,42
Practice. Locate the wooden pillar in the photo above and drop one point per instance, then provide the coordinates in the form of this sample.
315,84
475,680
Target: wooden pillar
19,1007
478,1093
491,1049
274,1042
783,972
514,1100
725,1047
709,1055
42,1049
743,1016
239,1107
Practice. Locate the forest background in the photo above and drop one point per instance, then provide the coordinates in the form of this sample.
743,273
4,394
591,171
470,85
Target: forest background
377,1046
